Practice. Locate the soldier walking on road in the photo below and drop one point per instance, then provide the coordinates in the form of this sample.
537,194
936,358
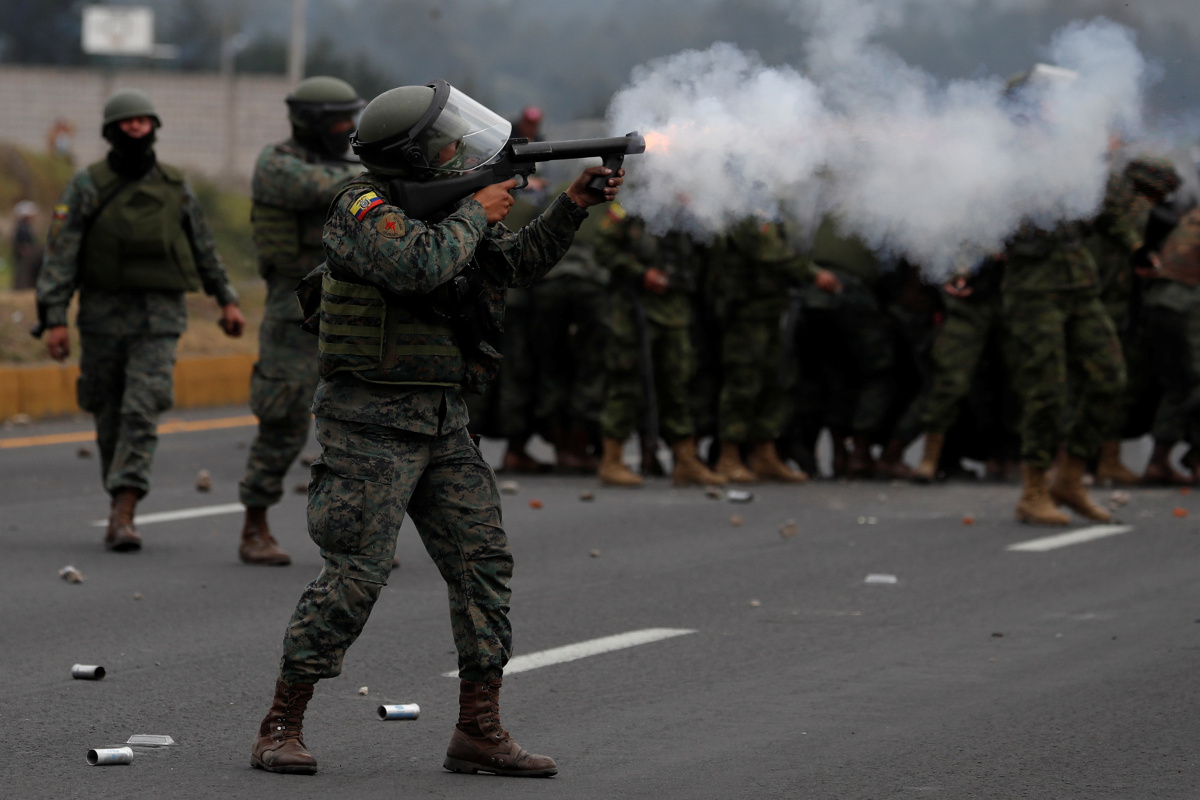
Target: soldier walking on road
130,233
294,182
400,341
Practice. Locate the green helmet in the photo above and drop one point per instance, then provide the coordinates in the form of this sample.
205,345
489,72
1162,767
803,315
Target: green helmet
1153,176
127,104
321,96
426,131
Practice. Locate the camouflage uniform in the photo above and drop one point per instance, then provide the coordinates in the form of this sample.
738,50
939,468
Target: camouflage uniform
629,251
387,449
291,188
1060,329
128,336
755,268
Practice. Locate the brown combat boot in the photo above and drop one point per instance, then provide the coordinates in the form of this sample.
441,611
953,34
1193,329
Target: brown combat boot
613,471
280,743
1109,469
730,466
1067,489
121,536
1035,507
891,464
480,743
258,546
1159,471
926,471
860,464
690,470
768,466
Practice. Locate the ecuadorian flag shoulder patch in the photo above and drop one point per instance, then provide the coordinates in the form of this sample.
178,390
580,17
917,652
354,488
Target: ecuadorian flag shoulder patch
362,205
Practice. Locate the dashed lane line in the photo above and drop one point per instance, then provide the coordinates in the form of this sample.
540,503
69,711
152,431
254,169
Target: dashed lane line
1067,539
184,513
174,426
592,647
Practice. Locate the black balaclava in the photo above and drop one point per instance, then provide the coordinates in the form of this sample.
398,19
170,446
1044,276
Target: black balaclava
130,157
318,138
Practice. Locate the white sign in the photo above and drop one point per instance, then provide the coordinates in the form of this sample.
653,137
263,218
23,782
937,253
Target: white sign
118,30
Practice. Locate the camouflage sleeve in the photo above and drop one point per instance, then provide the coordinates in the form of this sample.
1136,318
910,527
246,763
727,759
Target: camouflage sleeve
57,279
213,276
378,243
531,252
284,180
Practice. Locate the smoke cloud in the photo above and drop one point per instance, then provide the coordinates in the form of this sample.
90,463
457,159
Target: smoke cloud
929,170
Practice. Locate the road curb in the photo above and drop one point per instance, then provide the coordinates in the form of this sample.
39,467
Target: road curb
49,390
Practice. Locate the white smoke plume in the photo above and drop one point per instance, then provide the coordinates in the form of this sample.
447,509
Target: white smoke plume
917,168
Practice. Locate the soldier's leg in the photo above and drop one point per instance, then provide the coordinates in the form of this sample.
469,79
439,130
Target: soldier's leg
149,391
360,487
742,352
549,332
623,362
281,390
99,389
1039,363
592,315
864,330
672,350
1093,353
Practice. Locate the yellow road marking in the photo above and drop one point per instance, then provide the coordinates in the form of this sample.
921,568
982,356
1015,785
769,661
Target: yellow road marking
175,426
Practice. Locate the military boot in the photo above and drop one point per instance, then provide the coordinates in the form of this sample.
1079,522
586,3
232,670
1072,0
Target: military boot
1067,489
571,450
860,464
730,465
891,464
280,743
1159,471
768,466
690,470
121,536
1110,471
1035,506
612,470
258,546
480,743
926,471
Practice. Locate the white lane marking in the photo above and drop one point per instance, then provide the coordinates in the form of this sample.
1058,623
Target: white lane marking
592,647
1067,539
185,513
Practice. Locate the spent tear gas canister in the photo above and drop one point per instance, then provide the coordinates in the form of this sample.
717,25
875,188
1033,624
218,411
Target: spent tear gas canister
400,711
107,756
87,672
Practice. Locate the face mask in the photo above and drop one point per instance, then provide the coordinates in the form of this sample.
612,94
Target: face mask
130,157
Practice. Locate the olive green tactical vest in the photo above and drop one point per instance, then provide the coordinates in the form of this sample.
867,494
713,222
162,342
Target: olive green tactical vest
381,341
138,240
287,241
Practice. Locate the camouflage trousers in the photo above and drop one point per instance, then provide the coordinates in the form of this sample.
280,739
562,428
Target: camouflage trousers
957,351
671,357
1058,336
365,479
1172,314
125,382
569,332
281,392
753,404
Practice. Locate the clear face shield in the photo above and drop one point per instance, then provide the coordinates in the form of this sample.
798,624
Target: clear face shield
464,136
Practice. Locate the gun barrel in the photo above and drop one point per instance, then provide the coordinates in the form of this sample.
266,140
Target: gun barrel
630,144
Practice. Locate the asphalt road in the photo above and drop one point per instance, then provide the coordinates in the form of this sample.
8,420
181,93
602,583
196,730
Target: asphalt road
981,672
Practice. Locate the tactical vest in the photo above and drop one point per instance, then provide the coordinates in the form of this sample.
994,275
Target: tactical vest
287,241
139,239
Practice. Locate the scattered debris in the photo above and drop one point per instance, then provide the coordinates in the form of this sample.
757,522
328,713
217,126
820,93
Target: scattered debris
70,574
87,672
739,495
509,487
712,492
137,596
868,521
594,553
883,498
203,481
242,445
300,488
150,740
735,521
84,452
399,711
110,756
998,635
1118,499
307,460
1180,511
20,419
536,504
968,520
587,496
789,529
362,690
1185,490
755,603
881,579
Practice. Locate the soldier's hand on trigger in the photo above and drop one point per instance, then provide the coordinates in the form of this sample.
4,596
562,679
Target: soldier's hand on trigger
496,200
584,197
58,342
655,280
232,321
827,282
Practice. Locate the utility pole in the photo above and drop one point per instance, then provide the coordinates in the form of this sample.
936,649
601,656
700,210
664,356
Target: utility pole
296,48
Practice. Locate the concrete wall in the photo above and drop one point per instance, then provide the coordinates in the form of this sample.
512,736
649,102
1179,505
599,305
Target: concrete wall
211,125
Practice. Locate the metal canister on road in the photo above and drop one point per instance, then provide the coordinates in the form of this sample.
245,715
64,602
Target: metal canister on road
87,672
109,756
400,711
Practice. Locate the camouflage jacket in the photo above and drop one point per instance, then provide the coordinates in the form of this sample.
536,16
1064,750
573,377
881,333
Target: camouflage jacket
292,188
126,311
371,241
755,267
628,250
1050,261
844,253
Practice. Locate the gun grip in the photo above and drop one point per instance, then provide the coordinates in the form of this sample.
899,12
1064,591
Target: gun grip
599,183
